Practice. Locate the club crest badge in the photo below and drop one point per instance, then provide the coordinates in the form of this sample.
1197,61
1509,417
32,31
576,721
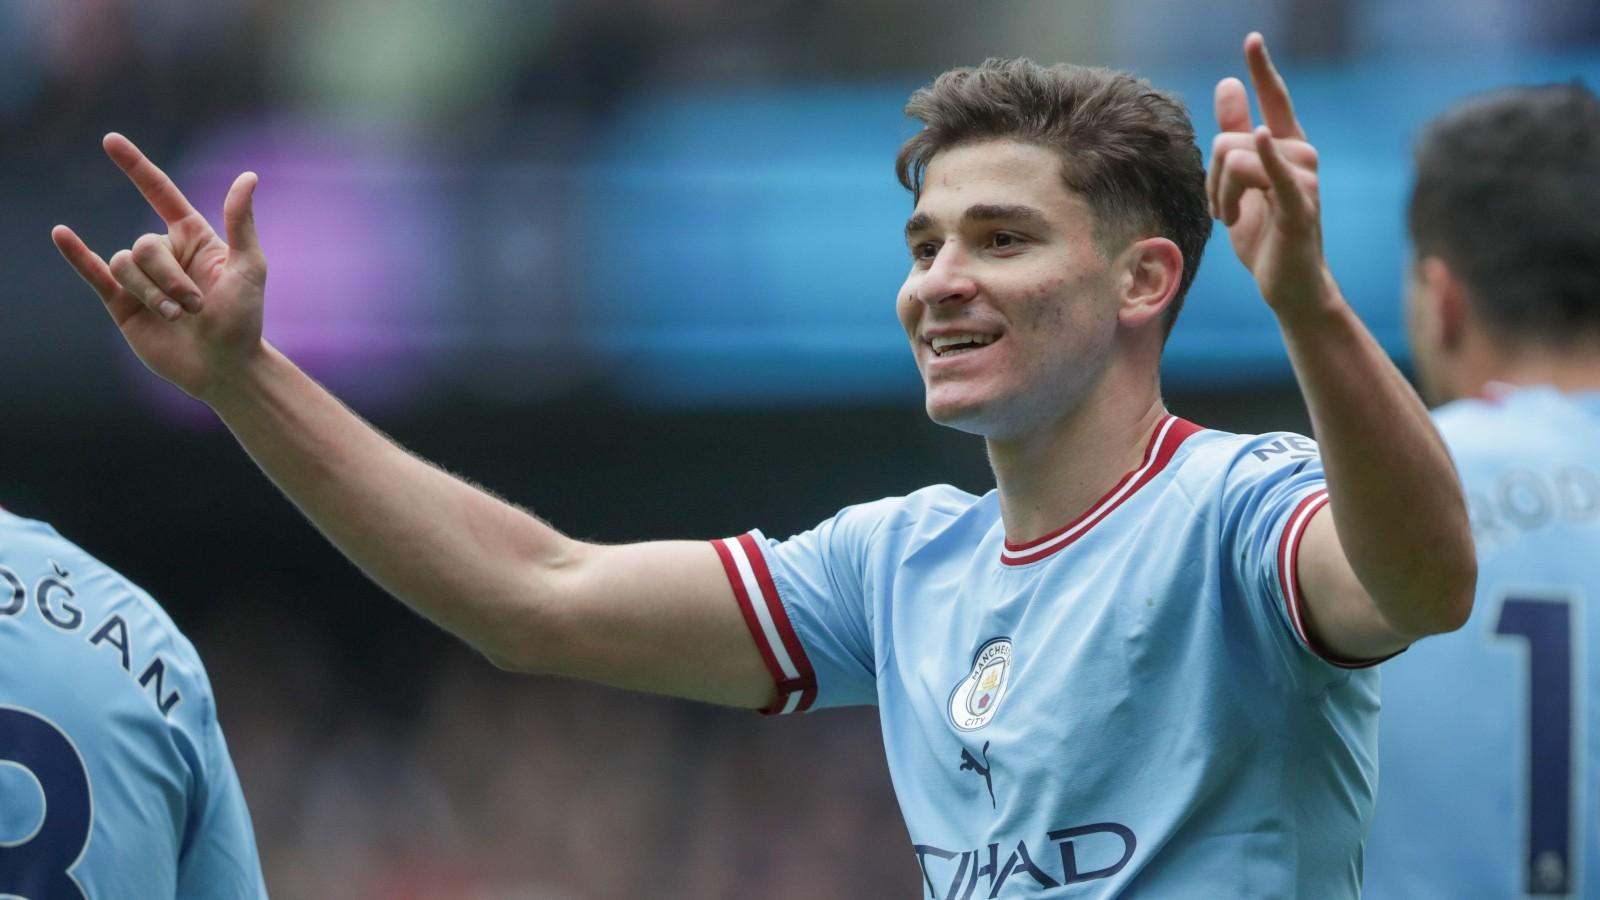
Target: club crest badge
974,701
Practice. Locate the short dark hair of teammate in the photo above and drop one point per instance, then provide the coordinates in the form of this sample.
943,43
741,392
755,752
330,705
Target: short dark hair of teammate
1506,195
1126,148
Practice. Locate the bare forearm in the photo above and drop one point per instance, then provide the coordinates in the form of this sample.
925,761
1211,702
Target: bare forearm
523,594
455,554
1394,494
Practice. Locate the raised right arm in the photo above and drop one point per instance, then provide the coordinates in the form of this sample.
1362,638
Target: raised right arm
658,617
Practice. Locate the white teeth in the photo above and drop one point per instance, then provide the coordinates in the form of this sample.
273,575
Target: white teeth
943,343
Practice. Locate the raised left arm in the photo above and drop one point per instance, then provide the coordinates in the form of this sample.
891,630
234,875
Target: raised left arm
1394,561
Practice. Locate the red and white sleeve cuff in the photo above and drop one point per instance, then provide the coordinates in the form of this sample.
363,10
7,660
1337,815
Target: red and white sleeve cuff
768,622
1289,579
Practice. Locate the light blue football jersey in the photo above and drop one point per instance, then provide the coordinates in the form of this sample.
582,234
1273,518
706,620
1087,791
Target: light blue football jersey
115,781
1127,706
1490,743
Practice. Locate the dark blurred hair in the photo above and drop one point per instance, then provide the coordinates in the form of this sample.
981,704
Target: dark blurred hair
1508,195
1126,148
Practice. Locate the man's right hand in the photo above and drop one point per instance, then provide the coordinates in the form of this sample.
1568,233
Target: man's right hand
658,617
188,302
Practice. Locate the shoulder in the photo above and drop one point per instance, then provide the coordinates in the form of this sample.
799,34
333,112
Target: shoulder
1516,423
929,507
51,585
938,502
1467,424
1221,456
894,525
914,519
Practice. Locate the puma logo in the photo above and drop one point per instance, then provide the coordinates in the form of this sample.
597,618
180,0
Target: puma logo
970,763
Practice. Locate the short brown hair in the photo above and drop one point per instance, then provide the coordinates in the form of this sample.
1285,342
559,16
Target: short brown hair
1126,148
1507,188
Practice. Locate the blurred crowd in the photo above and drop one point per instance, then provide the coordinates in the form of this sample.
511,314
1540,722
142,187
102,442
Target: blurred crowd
496,786
466,67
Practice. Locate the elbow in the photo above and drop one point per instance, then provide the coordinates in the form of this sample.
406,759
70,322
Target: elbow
534,631
1460,565
523,656
507,651
510,659
524,641
1463,587
1458,581
1449,592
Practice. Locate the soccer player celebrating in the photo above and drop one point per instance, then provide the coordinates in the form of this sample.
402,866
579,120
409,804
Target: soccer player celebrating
115,780
1136,665
1489,782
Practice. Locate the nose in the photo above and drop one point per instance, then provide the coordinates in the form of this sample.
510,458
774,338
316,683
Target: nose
947,279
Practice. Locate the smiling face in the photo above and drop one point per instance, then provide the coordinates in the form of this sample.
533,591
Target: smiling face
1010,306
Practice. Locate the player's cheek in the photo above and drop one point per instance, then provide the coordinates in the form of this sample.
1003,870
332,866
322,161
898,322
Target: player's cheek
908,309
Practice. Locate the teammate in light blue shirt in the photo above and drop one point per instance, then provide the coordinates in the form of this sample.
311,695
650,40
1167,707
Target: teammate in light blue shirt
1491,737
115,781
1115,674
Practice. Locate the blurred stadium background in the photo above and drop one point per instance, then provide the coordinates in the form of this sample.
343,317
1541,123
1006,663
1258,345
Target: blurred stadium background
630,263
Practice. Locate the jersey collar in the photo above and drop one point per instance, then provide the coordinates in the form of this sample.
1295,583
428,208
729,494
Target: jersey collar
1169,434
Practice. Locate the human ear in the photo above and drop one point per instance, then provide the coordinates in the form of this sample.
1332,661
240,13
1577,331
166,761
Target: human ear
1151,271
1443,292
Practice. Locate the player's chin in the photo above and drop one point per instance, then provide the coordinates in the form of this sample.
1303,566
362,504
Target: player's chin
958,409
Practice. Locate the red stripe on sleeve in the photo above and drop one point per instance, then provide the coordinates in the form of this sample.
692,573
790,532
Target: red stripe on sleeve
806,683
737,581
765,592
1289,579
1289,556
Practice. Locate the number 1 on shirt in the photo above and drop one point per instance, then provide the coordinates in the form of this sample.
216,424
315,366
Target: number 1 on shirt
1546,625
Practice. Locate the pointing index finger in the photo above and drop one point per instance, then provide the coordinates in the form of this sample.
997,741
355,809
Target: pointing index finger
163,196
1272,94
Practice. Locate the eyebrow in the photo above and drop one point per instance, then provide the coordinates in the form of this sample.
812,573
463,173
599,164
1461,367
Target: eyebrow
983,212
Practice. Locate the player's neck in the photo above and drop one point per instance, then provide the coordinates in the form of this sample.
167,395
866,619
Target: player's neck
1050,476
1568,376
1569,371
